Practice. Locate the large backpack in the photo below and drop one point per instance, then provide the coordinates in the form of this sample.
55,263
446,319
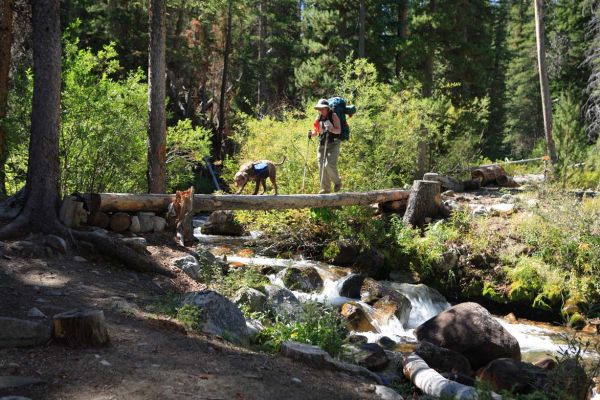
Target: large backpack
341,109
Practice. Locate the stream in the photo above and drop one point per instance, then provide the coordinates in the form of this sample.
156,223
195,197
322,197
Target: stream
537,340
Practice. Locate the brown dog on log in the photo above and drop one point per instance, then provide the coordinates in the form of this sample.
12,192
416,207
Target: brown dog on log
258,171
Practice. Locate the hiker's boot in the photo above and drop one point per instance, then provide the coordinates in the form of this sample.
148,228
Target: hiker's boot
337,187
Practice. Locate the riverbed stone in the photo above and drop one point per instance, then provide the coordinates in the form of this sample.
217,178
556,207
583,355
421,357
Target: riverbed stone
471,330
371,263
443,360
222,223
22,333
158,224
356,317
368,355
350,285
386,343
219,316
316,357
135,224
145,220
390,305
347,254
372,290
282,301
252,298
510,374
303,279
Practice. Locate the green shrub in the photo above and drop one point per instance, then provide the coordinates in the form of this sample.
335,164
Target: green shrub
190,316
317,325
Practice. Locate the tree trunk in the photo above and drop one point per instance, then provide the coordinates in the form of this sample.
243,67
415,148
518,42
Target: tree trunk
222,99
361,29
108,202
157,127
43,172
79,328
6,39
402,31
423,141
261,54
425,201
544,86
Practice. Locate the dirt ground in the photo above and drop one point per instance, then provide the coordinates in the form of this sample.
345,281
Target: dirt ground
146,359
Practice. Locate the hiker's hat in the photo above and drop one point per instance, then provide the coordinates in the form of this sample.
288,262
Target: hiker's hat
322,103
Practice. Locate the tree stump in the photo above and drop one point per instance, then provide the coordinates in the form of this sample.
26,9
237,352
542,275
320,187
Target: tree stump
425,201
81,328
120,222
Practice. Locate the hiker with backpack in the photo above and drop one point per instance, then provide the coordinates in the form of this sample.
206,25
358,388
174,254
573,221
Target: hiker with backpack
332,128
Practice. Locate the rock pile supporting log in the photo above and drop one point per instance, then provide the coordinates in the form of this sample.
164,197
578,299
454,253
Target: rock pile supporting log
131,203
81,328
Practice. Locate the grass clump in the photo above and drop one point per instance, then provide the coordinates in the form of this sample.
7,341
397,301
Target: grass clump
190,316
316,324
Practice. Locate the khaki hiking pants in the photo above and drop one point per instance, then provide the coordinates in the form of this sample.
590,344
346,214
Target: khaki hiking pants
328,166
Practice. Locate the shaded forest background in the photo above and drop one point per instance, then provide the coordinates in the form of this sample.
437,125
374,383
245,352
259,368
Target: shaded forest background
461,73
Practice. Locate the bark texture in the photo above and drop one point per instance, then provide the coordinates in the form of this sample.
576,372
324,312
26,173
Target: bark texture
81,328
6,39
157,128
544,85
425,201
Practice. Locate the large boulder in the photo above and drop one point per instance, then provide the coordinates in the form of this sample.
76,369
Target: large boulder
303,279
390,305
443,360
252,298
22,333
428,302
222,223
282,301
346,255
219,316
368,355
371,263
350,285
200,265
372,290
509,374
356,317
471,330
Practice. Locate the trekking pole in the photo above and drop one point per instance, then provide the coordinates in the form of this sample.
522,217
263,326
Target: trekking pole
323,159
305,162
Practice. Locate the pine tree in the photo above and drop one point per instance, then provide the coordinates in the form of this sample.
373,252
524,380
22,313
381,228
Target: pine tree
524,124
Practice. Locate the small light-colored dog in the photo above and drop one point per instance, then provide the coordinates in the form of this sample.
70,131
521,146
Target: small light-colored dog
249,171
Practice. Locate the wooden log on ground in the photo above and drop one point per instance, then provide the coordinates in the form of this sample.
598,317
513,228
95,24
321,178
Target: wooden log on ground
112,202
81,328
473,184
431,383
490,174
425,201
120,222
447,182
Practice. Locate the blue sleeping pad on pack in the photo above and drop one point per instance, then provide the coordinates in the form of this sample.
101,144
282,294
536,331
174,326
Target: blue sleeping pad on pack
261,169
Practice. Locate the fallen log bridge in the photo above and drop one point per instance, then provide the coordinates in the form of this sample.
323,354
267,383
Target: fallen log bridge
122,202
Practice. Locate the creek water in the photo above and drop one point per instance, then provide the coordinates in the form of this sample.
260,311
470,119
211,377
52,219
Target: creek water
537,340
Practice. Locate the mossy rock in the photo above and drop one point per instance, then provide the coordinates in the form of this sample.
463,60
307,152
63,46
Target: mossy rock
304,279
577,321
